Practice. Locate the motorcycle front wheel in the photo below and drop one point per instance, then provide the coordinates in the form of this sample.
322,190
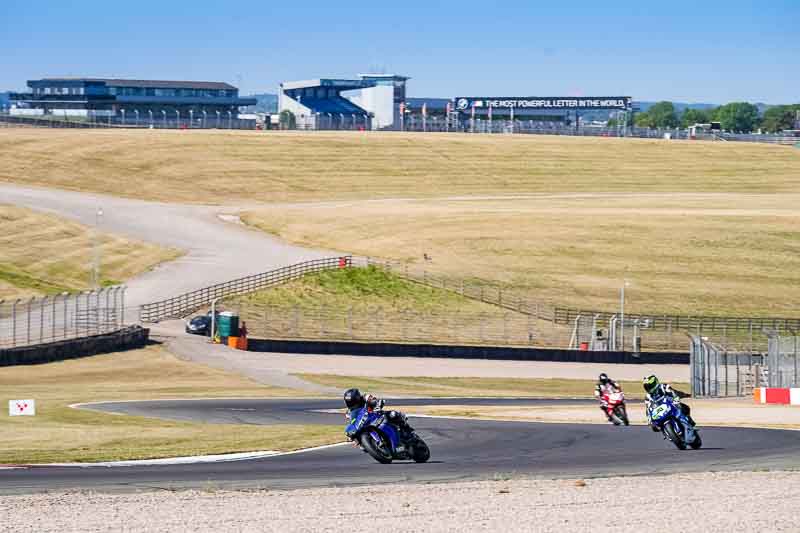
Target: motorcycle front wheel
674,437
697,442
420,451
379,452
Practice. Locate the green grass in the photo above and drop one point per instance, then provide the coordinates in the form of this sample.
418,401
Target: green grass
360,288
474,387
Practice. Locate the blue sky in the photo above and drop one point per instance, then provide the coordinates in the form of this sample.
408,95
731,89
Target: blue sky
700,51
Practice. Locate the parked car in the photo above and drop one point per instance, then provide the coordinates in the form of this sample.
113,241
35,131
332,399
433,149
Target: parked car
199,325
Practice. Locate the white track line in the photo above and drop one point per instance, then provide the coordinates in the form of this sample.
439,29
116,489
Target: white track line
188,460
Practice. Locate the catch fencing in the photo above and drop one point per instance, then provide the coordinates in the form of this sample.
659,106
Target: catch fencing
180,306
63,316
387,325
570,328
718,370
143,121
782,365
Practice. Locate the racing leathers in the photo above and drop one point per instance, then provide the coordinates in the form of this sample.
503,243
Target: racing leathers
601,390
375,404
662,390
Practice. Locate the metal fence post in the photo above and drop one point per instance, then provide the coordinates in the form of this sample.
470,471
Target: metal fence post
28,335
42,303
14,323
53,318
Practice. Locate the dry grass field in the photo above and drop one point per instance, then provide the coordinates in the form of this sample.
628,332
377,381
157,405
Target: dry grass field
238,167
720,253
43,254
59,433
697,227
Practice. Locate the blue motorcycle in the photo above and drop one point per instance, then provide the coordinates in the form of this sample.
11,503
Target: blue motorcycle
383,440
667,416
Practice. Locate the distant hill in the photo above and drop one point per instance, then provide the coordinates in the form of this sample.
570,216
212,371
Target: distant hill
267,103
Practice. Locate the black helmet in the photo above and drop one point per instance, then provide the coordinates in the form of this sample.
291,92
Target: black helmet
353,399
650,383
603,378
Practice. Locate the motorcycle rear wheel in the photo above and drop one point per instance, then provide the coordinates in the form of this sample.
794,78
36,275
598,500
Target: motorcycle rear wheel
674,437
621,413
420,451
379,453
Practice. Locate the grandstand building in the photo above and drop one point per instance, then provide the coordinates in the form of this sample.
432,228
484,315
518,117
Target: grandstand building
96,97
371,101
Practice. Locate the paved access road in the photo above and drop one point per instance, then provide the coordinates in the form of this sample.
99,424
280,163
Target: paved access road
461,449
215,251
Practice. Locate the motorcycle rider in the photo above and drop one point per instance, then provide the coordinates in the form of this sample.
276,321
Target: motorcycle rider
355,401
605,386
656,391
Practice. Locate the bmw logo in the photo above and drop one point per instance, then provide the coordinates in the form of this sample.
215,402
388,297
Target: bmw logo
462,103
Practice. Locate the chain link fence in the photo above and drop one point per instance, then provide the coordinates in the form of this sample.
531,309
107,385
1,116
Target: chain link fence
782,363
62,316
718,370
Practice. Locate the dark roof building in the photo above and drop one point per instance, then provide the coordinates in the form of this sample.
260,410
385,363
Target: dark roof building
114,97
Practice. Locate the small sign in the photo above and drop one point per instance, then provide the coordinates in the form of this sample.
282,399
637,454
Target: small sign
21,408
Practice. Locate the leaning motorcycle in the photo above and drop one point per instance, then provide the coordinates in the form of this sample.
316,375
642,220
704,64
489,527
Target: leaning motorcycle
615,407
666,415
383,440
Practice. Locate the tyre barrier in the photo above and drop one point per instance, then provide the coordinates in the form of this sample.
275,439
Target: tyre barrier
508,353
127,338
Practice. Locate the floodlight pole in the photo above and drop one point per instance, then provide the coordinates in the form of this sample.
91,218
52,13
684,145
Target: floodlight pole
622,315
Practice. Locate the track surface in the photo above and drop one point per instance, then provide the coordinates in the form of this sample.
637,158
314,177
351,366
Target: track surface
461,449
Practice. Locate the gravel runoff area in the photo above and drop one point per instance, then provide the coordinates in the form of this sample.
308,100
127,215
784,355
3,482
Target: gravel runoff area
707,502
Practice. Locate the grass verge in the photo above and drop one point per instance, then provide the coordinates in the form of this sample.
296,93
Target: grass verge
167,165
59,433
473,387
43,254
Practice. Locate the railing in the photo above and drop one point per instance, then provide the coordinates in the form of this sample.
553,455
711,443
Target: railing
63,316
656,332
180,306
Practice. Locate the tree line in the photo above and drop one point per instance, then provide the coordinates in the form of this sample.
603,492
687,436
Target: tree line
740,117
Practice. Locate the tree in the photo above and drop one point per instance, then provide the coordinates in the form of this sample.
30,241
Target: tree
779,118
690,117
287,120
739,117
663,115
644,120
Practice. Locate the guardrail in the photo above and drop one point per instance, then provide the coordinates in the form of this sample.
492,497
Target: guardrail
180,306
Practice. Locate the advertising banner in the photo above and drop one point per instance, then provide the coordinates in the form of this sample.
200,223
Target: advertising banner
566,103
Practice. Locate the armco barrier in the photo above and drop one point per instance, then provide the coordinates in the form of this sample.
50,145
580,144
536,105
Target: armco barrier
180,306
383,349
125,339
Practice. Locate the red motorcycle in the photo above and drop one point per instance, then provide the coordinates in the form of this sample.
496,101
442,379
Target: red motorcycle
615,407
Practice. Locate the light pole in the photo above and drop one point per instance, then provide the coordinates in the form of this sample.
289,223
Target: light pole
218,118
98,218
150,112
164,112
136,112
123,116
178,122
191,117
204,118
230,120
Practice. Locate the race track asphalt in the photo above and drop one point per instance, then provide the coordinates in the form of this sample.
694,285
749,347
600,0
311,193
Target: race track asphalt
461,450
